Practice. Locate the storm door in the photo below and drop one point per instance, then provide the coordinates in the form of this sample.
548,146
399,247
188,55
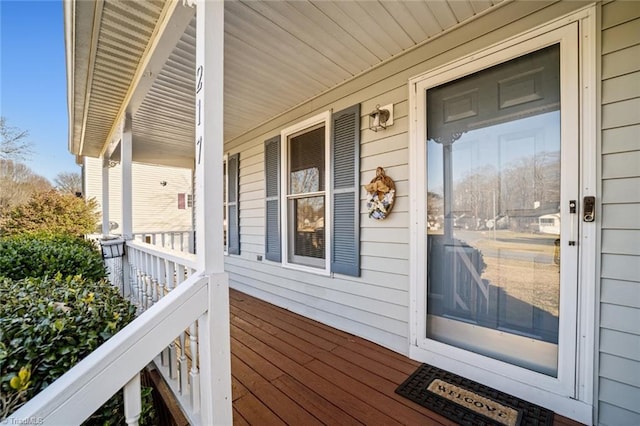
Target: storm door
500,258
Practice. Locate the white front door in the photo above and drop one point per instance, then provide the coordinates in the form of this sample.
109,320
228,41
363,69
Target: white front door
497,203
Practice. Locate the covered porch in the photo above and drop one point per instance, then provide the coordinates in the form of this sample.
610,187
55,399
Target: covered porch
288,369
197,84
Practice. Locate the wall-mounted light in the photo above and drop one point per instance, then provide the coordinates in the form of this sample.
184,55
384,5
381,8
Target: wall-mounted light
112,247
163,183
381,117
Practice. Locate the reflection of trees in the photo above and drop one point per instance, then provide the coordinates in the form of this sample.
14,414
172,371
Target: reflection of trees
306,180
474,194
310,213
532,179
435,208
523,184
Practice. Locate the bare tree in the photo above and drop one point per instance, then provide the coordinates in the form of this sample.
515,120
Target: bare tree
68,182
18,183
13,142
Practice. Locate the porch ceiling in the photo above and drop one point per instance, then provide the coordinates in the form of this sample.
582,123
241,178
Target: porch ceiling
277,55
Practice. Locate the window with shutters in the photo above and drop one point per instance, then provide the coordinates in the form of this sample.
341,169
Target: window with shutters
305,181
312,194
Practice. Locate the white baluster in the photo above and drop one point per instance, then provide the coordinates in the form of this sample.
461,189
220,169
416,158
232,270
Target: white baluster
150,280
134,275
162,277
194,374
137,277
159,279
141,283
142,289
172,353
163,281
181,274
191,242
183,365
132,400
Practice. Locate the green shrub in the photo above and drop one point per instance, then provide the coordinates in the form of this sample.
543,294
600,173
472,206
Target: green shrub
47,325
23,256
52,212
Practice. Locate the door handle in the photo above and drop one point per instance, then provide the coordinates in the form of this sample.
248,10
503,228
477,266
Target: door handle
573,204
589,209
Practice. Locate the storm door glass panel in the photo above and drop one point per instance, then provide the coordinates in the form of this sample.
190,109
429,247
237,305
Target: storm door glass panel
493,211
306,198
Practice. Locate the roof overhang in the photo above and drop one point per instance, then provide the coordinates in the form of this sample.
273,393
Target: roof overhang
138,58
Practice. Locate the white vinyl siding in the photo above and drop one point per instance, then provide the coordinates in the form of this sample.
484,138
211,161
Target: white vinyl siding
155,207
619,360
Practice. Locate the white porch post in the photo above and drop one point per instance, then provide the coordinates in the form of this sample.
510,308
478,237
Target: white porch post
105,196
214,326
126,154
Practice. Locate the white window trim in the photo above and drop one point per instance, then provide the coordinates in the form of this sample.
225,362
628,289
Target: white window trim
225,196
322,118
580,408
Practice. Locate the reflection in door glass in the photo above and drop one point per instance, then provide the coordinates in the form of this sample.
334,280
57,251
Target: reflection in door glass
493,212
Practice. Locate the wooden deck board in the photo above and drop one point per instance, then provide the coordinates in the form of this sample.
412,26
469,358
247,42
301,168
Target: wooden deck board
288,369
324,410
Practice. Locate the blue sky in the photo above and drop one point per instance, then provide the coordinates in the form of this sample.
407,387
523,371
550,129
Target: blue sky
33,91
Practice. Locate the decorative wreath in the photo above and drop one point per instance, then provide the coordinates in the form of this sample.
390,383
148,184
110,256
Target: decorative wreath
381,194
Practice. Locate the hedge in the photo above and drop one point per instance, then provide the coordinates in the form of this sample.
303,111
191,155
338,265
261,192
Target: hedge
56,307
23,256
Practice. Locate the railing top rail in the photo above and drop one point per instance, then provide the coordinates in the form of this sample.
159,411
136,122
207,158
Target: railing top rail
186,259
79,392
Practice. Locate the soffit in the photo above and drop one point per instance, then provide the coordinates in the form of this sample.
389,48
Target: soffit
109,39
277,55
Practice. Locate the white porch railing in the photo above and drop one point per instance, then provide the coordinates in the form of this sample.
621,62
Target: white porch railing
172,329
154,273
183,241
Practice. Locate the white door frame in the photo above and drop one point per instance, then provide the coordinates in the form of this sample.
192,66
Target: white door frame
571,394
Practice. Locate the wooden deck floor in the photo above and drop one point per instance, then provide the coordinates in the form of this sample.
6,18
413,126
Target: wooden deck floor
288,369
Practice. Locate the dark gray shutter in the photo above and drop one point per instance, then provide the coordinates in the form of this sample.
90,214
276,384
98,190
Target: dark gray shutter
272,205
345,160
233,168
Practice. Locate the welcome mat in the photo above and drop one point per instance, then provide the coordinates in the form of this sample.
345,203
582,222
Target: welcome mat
469,403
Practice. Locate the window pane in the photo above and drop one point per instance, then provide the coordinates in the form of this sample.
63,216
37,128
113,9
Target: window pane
306,162
307,225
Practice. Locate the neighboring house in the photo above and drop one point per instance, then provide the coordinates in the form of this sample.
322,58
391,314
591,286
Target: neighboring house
162,196
496,107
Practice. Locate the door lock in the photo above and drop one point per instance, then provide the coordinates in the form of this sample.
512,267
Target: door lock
589,209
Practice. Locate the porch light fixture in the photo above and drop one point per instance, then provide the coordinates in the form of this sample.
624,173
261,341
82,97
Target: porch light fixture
163,183
381,117
112,247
